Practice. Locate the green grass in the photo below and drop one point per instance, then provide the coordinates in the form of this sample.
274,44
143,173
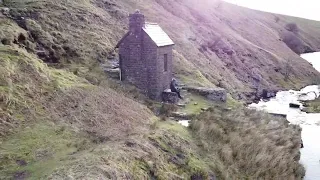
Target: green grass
177,141
24,81
232,103
196,103
188,73
312,106
42,146
10,30
198,167
175,128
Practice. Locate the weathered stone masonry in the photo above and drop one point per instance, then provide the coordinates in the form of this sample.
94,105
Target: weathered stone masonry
146,56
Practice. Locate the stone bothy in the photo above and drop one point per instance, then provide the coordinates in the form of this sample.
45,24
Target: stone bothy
145,56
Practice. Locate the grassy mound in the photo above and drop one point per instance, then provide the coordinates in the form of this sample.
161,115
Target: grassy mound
24,80
50,116
250,144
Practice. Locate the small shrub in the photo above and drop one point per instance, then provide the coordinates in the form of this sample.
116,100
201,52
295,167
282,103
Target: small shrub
277,19
5,41
293,42
292,27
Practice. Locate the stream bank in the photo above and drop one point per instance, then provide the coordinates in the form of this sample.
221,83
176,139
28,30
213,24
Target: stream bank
309,122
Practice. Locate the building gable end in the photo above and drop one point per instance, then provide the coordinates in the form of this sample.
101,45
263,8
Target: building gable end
122,39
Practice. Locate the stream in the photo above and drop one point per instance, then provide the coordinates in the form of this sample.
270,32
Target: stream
310,123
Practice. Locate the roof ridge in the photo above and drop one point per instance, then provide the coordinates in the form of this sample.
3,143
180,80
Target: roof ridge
152,23
157,34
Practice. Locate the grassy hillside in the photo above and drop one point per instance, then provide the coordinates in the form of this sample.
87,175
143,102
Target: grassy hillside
228,45
61,117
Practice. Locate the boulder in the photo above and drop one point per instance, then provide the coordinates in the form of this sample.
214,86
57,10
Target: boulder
4,10
170,97
213,94
204,109
182,115
294,105
113,73
278,115
181,105
266,94
179,114
111,65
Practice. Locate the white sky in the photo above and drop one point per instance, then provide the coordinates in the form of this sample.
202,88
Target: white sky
309,9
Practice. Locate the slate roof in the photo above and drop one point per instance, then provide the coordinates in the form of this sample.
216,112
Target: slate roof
158,36
155,32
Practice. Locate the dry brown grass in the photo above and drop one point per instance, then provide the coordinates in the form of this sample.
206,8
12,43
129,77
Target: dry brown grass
24,80
251,145
102,113
85,31
50,116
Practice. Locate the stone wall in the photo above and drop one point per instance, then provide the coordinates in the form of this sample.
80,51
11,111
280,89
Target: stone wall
213,94
150,57
170,97
158,79
165,76
142,62
133,66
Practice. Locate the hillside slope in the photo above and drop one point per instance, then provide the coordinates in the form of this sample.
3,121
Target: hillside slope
228,45
62,118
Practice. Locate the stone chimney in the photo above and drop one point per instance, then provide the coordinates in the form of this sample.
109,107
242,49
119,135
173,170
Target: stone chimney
136,22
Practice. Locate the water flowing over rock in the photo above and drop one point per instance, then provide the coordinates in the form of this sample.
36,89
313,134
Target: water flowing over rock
282,105
266,94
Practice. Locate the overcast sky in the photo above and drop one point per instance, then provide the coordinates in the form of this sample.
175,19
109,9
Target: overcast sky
309,9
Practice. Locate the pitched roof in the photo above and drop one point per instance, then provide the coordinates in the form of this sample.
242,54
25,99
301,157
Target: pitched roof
122,39
157,35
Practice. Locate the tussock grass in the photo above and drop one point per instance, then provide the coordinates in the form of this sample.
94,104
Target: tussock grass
102,113
312,106
165,153
24,80
53,111
250,144
38,150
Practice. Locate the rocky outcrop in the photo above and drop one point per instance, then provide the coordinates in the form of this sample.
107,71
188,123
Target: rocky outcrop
266,94
170,97
213,94
294,105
